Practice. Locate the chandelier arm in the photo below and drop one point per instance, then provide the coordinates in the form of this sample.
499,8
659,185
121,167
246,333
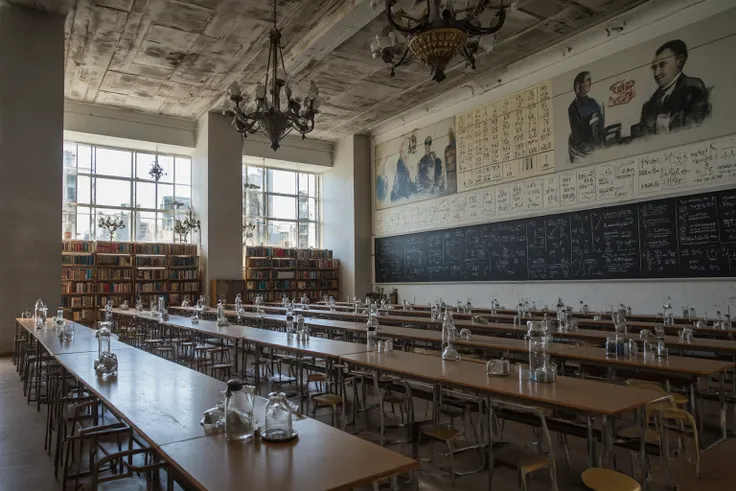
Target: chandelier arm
406,30
404,58
481,31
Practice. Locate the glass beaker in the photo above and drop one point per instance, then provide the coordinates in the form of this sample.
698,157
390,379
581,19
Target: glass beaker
278,423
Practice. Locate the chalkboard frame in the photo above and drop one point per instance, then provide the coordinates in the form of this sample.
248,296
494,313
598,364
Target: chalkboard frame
657,267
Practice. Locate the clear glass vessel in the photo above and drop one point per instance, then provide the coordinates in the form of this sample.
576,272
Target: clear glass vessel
372,332
106,362
239,405
278,423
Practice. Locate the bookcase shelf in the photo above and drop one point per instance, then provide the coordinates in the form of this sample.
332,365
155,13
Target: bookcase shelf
274,271
91,268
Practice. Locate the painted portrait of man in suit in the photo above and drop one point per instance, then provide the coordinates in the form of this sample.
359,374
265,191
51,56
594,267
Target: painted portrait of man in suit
680,101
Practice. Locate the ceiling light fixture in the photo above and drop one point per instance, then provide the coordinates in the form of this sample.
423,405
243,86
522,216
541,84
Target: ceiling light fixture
156,171
436,31
268,115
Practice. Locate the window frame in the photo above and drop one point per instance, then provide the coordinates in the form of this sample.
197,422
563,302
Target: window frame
265,214
159,233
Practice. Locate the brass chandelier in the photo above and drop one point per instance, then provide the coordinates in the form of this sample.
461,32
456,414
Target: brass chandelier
441,30
274,116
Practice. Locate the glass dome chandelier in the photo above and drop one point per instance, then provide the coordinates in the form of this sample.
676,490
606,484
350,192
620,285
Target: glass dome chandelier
440,30
275,117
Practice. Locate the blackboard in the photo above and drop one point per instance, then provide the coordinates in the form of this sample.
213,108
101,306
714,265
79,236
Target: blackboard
684,237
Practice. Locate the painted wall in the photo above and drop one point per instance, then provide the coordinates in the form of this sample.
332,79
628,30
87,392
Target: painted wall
32,84
642,295
346,213
217,182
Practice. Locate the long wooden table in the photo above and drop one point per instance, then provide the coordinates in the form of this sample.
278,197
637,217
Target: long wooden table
164,402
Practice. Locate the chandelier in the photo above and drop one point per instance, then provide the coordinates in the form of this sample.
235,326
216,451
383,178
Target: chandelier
440,30
274,116
156,171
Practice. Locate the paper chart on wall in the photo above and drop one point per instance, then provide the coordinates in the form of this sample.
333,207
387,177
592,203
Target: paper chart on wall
703,165
506,140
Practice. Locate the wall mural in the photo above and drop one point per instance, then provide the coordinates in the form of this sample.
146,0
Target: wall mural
679,102
670,91
416,166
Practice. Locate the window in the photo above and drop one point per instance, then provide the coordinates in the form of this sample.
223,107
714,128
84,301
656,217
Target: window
112,182
280,207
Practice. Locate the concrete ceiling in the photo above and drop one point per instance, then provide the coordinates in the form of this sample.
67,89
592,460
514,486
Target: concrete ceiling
177,57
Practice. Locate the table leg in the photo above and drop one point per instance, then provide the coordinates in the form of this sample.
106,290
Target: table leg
257,373
591,443
300,381
491,463
666,452
642,418
237,342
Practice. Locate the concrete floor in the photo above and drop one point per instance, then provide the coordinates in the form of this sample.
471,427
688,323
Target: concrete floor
25,466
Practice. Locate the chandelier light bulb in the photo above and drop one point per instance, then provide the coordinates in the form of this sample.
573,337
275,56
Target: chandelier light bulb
260,91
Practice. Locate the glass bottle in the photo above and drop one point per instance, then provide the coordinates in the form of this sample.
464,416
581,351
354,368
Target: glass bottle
372,332
449,334
290,330
278,424
537,337
332,304
221,319
301,329
106,362
40,312
239,402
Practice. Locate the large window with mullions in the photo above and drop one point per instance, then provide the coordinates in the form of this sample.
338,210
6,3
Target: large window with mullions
113,182
280,207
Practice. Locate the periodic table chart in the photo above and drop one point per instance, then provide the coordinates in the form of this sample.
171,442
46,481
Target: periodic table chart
506,140
704,165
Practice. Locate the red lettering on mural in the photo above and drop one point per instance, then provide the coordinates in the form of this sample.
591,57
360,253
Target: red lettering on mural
623,93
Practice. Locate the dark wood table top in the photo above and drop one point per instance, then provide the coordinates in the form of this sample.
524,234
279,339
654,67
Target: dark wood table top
672,365
322,457
84,339
162,400
588,396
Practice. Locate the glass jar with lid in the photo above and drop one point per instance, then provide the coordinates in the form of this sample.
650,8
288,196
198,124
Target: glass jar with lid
372,332
278,421
538,341
239,402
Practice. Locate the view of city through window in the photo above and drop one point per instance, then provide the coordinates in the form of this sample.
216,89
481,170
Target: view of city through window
104,182
280,207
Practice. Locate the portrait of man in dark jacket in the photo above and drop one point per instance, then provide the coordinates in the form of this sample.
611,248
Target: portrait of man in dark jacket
680,101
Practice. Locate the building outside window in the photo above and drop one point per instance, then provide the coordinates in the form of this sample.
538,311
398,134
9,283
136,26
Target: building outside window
280,207
102,181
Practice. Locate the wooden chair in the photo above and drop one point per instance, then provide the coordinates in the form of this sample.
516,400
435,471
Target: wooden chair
130,478
601,479
525,462
332,400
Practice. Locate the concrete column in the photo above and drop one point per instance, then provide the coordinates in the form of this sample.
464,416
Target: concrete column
346,206
31,142
217,173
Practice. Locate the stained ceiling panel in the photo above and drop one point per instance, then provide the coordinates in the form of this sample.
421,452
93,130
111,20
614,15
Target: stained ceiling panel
177,57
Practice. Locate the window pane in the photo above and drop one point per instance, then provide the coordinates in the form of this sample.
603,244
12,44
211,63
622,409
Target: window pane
183,170
112,192
282,207
145,195
254,204
313,185
82,230
121,234
166,197
164,227
282,234
307,208
145,230
84,158
307,235
111,162
84,189
144,162
254,232
303,183
253,178
281,181
183,194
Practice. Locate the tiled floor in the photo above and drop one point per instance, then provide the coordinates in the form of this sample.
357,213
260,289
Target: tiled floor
25,466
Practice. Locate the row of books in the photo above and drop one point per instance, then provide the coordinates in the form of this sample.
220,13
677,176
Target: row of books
150,274
184,274
77,302
77,246
275,252
78,260
115,287
181,262
114,274
185,286
77,274
68,287
150,261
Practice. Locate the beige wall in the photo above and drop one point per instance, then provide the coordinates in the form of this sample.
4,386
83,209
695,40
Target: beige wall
31,128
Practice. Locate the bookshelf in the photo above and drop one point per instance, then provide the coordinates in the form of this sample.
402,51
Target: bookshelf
94,272
183,273
274,272
78,278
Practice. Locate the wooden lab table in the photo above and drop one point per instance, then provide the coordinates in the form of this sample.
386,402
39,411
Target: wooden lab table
164,402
